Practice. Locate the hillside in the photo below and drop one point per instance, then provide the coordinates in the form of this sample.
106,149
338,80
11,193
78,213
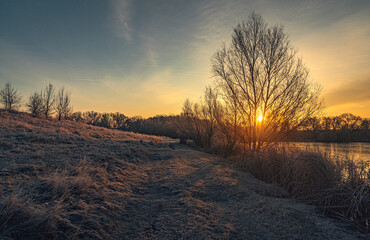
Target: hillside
67,180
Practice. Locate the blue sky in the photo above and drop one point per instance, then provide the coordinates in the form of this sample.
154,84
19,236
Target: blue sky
146,57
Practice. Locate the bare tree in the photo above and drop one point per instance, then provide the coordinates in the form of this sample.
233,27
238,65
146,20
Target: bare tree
350,123
314,126
228,119
10,97
365,124
107,121
63,104
35,104
336,123
270,84
190,124
48,100
327,122
198,120
209,110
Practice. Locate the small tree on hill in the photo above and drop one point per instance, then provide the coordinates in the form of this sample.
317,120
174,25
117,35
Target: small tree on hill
63,104
48,100
10,97
35,104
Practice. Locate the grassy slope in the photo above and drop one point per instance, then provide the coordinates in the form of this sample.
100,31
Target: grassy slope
65,180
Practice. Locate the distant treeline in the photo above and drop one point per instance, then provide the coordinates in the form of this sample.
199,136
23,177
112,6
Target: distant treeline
343,128
159,125
208,123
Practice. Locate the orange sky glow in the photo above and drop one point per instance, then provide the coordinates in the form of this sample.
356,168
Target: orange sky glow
145,57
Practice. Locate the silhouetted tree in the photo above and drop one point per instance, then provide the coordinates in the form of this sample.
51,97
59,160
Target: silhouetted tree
228,118
263,74
10,97
77,116
48,100
327,123
350,123
91,117
107,121
190,123
119,119
63,106
365,124
198,120
209,109
313,125
34,104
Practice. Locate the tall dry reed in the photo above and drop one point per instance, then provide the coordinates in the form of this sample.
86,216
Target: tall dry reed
340,187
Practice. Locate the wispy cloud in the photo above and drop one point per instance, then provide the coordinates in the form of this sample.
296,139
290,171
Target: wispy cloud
154,54
338,58
350,92
153,58
87,79
121,10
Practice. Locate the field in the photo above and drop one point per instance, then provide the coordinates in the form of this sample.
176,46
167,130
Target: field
68,180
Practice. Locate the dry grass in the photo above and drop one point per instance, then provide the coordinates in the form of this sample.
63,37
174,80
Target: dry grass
66,180
64,204
339,187
27,123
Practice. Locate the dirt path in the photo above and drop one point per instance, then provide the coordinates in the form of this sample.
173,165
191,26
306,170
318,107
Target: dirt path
187,194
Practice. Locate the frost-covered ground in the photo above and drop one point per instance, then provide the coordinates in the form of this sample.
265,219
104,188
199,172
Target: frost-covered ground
67,180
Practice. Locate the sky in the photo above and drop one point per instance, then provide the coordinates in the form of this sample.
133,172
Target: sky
146,57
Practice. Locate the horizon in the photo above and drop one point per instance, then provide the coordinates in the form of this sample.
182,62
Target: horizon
145,58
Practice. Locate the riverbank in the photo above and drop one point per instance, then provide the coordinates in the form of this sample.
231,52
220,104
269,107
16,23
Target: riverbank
338,185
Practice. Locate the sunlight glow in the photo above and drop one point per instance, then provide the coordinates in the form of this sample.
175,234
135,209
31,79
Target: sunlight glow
260,118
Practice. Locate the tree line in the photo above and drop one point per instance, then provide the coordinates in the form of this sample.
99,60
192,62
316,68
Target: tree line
46,102
159,125
344,127
206,125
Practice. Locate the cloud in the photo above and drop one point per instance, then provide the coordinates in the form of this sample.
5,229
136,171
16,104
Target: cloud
350,92
121,11
338,52
162,89
157,93
357,108
337,56
87,79
153,58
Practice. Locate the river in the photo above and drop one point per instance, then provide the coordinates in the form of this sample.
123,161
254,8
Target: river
353,150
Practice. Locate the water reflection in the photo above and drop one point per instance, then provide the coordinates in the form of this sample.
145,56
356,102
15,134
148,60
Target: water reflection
354,150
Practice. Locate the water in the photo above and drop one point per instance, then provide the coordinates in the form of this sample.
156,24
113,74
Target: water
354,150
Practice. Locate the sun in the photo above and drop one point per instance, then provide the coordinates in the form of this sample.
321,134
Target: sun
260,118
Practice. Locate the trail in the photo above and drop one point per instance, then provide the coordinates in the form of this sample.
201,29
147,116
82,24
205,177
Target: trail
188,194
